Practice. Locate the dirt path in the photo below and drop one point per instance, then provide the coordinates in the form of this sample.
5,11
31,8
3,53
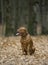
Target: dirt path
11,53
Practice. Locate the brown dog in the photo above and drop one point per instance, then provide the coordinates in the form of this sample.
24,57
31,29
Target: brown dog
26,41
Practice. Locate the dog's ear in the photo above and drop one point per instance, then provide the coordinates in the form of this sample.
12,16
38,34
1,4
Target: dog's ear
26,31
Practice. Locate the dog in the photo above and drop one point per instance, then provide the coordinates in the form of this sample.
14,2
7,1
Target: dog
26,41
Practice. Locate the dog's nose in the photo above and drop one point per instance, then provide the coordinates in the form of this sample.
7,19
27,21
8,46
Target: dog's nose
17,34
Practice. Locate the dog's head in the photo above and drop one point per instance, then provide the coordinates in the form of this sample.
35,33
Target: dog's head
22,31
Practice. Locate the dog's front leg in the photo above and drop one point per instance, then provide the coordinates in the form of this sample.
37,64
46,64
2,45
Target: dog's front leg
24,49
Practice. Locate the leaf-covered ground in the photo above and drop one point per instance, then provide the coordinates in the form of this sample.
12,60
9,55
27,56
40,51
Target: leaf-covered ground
11,52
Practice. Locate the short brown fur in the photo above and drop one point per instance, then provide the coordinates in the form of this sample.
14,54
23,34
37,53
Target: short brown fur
26,41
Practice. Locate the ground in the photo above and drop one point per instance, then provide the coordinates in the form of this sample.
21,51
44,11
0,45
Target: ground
11,52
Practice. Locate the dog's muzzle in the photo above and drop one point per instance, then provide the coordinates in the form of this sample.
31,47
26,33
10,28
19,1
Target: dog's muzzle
17,34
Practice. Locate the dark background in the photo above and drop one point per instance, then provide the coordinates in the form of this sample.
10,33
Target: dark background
32,14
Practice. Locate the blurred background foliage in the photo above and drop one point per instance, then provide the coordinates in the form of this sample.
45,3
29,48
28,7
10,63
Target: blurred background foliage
32,14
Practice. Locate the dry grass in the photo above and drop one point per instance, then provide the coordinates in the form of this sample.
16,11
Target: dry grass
11,53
